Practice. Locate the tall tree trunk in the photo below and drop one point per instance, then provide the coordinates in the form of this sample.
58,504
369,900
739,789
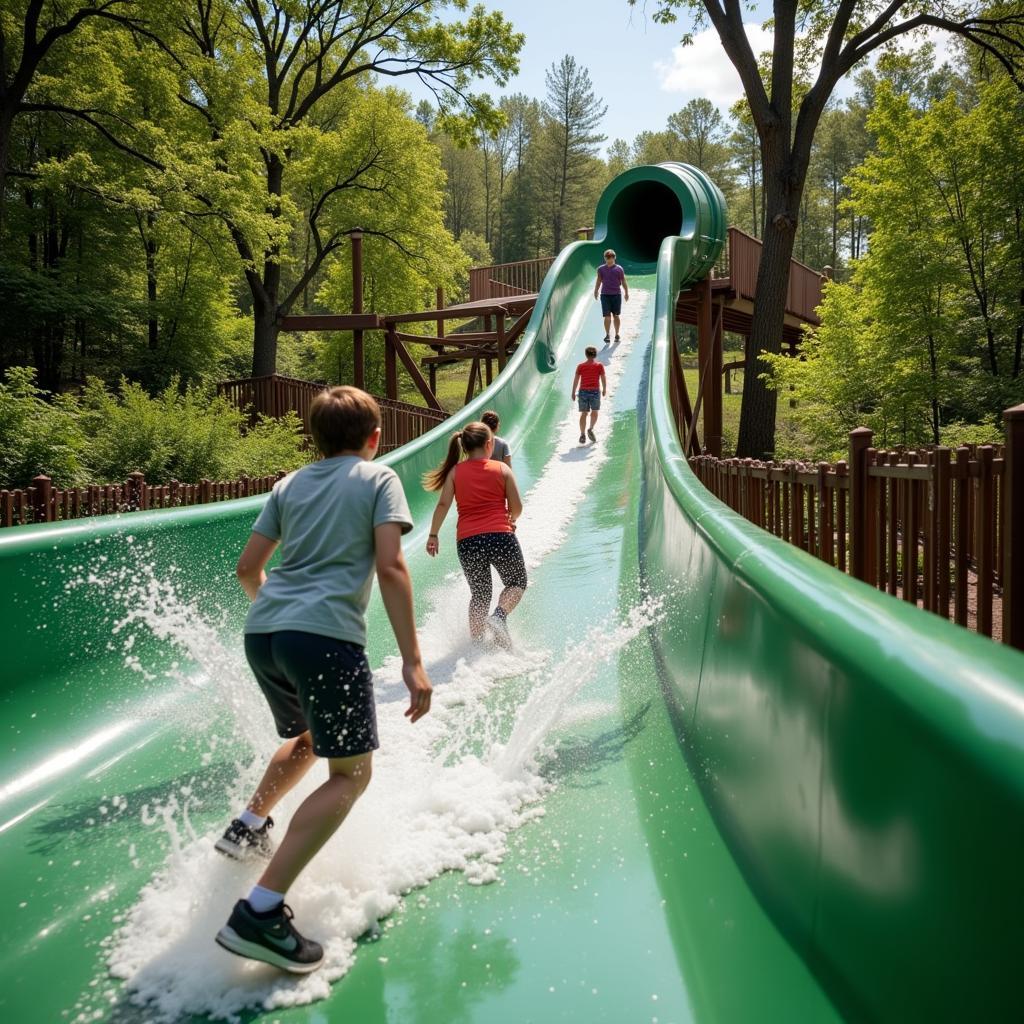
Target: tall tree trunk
264,341
757,424
266,289
151,290
7,111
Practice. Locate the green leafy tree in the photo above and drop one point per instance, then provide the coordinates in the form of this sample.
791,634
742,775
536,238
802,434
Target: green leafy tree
568,145
816,43
272,86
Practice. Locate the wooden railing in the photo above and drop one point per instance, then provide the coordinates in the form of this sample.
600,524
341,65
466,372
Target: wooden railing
276,395
41,502
744,257
939,528
508,279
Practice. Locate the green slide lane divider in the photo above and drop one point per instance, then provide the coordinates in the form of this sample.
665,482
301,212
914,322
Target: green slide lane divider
796,799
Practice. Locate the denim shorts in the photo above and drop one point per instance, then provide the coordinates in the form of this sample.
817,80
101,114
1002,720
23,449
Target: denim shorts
611,304
317,683
590,401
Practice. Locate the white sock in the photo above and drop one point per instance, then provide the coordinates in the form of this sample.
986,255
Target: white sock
250,820
261,900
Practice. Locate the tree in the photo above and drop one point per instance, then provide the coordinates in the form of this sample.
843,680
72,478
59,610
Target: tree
929,334
572,114
700,129
43,25
836,36
269,84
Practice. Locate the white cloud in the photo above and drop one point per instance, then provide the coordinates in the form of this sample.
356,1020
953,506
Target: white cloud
703,69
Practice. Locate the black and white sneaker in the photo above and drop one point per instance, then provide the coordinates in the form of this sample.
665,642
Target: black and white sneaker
590,434
583,438
606,339
270,937
243,843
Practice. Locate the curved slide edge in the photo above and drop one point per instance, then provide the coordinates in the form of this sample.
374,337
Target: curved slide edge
864,759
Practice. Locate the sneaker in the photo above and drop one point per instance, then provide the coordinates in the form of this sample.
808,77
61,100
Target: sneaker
583,438
243,843
499,630
590,434
617,338
270,937
607,339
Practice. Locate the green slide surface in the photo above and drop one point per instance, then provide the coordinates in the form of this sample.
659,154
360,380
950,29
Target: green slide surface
716,781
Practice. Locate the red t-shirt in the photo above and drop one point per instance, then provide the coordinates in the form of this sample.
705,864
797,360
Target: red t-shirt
590,375
480,497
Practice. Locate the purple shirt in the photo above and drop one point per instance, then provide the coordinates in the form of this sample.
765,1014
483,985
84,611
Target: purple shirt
611,278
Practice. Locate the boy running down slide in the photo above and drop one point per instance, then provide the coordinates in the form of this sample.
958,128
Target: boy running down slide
589,375
337,521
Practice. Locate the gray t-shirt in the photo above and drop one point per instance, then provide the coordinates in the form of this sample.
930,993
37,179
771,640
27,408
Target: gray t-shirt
324,516
501,450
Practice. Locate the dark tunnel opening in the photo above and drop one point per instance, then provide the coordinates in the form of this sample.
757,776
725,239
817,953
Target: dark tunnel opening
641,215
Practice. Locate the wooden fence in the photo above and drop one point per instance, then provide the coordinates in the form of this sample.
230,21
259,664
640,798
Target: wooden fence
41,502
275,395
503,280
940,528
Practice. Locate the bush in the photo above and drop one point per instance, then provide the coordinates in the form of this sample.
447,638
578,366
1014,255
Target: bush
102,437
37,436
179,434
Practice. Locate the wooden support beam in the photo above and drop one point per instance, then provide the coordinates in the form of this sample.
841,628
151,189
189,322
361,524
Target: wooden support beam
499,326
358,353
517,329
451,313
390,365
473,371
462,338
490,371
414,371
332,322
461,356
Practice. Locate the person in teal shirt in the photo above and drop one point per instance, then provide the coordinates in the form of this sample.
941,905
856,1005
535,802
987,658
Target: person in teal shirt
336,521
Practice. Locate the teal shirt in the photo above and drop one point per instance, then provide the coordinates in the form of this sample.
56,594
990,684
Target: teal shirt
324,516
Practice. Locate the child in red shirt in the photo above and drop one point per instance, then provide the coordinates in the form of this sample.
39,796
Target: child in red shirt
589,377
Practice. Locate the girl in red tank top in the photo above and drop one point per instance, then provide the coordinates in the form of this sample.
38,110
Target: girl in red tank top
488,502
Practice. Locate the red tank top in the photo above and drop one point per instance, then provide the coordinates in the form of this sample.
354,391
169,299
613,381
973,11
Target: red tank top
480,497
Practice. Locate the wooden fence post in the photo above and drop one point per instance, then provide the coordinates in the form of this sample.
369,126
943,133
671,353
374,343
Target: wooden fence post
137,490
1013,528
42,505
860,442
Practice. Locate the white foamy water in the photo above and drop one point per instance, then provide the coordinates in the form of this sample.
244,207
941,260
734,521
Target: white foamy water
446,795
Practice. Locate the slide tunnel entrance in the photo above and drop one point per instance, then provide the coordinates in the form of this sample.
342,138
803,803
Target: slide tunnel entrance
640,216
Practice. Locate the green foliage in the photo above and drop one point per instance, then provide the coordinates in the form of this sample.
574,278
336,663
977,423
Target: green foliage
182,434
36,436
925,345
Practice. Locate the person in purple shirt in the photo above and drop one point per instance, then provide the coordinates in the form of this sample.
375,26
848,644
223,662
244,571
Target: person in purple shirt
610,284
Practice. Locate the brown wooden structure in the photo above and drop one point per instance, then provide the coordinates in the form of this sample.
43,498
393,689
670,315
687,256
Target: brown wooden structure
939,528
41,502
276,395
720,303
725,302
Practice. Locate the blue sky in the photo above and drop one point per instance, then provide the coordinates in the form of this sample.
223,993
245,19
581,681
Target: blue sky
638,68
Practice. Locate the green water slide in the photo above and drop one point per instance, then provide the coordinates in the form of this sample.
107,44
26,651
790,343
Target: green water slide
717,782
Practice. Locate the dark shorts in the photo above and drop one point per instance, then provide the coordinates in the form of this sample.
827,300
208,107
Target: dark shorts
590,401
611,304
317,683
477,555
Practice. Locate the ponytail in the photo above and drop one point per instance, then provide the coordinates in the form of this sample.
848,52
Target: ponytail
471,438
